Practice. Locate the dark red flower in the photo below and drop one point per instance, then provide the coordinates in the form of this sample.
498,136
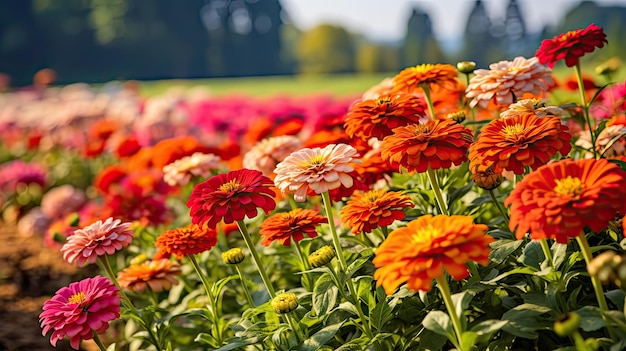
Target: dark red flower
571,46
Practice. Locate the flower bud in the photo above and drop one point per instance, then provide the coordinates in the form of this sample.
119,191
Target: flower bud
608,67
139,259
466,67
233,256
458,116
73,220
321,256
486,178
285,303
567,324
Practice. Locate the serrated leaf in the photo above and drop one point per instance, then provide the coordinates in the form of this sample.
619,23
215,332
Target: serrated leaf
324,295
320,338
439,323
380,314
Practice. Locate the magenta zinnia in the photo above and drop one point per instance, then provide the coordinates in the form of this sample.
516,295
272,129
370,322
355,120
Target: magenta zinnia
231,197
97,239
81,308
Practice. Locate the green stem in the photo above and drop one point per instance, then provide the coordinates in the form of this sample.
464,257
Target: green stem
595,281
212,302
546,251
432,177
580,343
447,299
294,326
245,288
583,101
305,264
333,230
472,110
256,258
429,101
98,341
505,215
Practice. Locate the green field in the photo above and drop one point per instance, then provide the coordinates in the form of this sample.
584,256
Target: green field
337,84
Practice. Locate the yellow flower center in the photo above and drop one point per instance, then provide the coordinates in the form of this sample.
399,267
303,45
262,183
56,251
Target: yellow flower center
77,298
316,160
566,36
383,101
513,132
371,196
421,129
569,186
426,233
229,186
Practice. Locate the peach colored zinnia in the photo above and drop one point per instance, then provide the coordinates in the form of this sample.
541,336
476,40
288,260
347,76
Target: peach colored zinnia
506,81
320,169
198,164
267,153
231,197
418,253
520,141
537,107
410,79
81,308
159,275
296,223
97,239
434,144
188,240
372,209
558,200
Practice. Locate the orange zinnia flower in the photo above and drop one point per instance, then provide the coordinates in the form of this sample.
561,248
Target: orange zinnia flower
294,224
321,169
571,46
376,118
519,141
189,240
375,208
410,79
558,200
231,197
418,253
158,275
506,81
435,144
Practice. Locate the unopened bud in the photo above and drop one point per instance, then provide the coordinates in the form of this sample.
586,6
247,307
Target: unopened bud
285,303
486,178
233,256
73,220
567,325
321,256
139,259
466,67
458,116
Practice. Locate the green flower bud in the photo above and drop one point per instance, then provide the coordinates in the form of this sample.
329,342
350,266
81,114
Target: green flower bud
592,343
285,303
73,220
458,116
233,256
321,256
466,67
567,325
139,259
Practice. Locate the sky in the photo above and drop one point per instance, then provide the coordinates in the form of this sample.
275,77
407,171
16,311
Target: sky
386,20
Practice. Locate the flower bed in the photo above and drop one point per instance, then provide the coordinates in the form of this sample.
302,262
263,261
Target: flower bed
447,208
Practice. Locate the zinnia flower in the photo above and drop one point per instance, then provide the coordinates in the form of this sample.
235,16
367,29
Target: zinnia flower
159,275
508,79
79,309
539,108
321,169
571,46
376,118
375,208
410,79
418,253
188,240
558,200
97,239
607,137
281,227
523,140
231,197
435,144
267,153
180,171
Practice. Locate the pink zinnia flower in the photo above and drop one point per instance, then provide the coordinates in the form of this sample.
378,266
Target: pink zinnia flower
79,309
267,153
97,239
182,170
321,169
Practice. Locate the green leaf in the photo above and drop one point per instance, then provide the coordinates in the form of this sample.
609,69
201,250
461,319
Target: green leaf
590,318
208,339
484,329
356,264
380,314
429,340
468,340
461,301
532,255
502,249
525,319
559,254
519,270
324,295
439,322
353,345
320,338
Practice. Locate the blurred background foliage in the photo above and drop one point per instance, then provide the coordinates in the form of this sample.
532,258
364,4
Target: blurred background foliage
102,40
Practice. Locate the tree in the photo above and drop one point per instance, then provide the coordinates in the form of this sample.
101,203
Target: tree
326,48
371,58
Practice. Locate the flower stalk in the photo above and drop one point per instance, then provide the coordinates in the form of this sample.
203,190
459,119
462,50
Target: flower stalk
442,284
432,177
212,302
255,257
585,105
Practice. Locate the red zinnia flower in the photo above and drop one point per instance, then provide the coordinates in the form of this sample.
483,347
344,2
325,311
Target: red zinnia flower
376,118
79,309
231,197
559,199
189,240
372,209
294,224
571,45
435,144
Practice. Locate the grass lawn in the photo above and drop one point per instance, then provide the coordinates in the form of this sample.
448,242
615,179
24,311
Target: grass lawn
337,84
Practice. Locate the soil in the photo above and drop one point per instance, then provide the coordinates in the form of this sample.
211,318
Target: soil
30,273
